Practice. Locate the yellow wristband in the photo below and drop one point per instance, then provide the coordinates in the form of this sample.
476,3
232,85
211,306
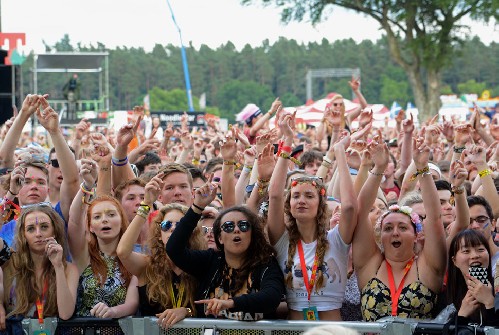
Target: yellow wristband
484,173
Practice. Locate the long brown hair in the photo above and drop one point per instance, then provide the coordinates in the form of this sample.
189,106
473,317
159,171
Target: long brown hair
259,251
97,263
158,271
27,286
322,219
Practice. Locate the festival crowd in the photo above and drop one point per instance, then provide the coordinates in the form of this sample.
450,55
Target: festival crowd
267,220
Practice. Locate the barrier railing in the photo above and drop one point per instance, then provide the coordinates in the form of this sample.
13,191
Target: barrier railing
194,326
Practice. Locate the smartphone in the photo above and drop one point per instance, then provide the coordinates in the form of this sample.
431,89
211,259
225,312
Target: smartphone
479,273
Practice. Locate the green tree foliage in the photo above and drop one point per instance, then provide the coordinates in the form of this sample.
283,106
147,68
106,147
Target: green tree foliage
174,100
232,78
471,86
422,36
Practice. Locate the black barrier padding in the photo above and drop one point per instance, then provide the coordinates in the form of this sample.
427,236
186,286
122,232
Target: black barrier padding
435,328
88,326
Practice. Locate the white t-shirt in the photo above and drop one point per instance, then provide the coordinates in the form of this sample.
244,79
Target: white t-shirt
330,296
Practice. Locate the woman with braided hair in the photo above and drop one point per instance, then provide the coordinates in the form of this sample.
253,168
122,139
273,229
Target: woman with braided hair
313,259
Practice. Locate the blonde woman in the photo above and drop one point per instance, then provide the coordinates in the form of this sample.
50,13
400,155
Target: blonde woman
165,291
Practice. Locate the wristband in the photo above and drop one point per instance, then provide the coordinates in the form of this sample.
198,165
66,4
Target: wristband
120,160
227,162
484,173
142,212
145,206
376,173
197,207
86,191
422,172
458,189
14,194
326,159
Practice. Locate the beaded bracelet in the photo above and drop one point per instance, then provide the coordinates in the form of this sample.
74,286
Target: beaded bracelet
376,173
227,162
457,189
142,212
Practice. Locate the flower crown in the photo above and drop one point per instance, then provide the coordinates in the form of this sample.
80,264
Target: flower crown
295,182
406,210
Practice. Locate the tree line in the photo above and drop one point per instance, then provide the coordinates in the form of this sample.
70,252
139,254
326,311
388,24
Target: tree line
232,78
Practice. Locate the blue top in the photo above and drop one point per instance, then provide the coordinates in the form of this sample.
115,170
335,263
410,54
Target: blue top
8,230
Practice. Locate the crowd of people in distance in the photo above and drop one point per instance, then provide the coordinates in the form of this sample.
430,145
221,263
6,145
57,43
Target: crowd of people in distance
266,220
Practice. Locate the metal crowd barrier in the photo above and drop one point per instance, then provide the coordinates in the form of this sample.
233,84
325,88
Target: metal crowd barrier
194,326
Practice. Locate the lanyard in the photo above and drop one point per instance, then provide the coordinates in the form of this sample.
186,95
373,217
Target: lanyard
309,286
40,302
394,292
177,303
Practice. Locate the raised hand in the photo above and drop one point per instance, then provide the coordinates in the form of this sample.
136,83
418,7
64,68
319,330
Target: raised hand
285,126
463,134
354,84
240,136
47,116
249,156
88,172
228,147
276,105
400,116
379,152
186,140
205,194
420,153
476,155
343,141
365,117
458,173
153,188
17,178
82,128
361,133
169,130
358,145
408,124
127,133
448,130
266,162
30,104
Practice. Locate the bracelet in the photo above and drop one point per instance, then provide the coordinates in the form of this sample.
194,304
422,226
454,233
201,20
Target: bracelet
326,159
142,212
261,189
195,161
459,150
197,207
326,164
145,206
91,191
189,312
85,202
227,162
14,194
458,189
104,169
422,172
120,160
119,164
484,173
286,148
376,173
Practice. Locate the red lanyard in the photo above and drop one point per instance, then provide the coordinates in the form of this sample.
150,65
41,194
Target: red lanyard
309,286
394,292
40,302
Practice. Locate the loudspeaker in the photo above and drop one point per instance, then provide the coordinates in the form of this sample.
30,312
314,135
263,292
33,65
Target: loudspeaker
5,92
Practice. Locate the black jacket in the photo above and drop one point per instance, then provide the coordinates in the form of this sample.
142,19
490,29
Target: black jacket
206,266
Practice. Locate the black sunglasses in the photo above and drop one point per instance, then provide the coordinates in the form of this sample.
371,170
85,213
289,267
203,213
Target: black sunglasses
54,163
229,226
166,225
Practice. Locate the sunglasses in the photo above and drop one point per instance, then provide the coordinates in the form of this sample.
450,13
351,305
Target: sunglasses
422,217
166,225
229,226
54,163
217,179
38,204
207,230
336,104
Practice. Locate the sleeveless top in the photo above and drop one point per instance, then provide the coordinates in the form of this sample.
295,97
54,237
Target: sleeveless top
113,293
416,301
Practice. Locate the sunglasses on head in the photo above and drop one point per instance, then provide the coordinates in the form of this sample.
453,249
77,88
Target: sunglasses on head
54,163
166,225
229,226
207,230
38,204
